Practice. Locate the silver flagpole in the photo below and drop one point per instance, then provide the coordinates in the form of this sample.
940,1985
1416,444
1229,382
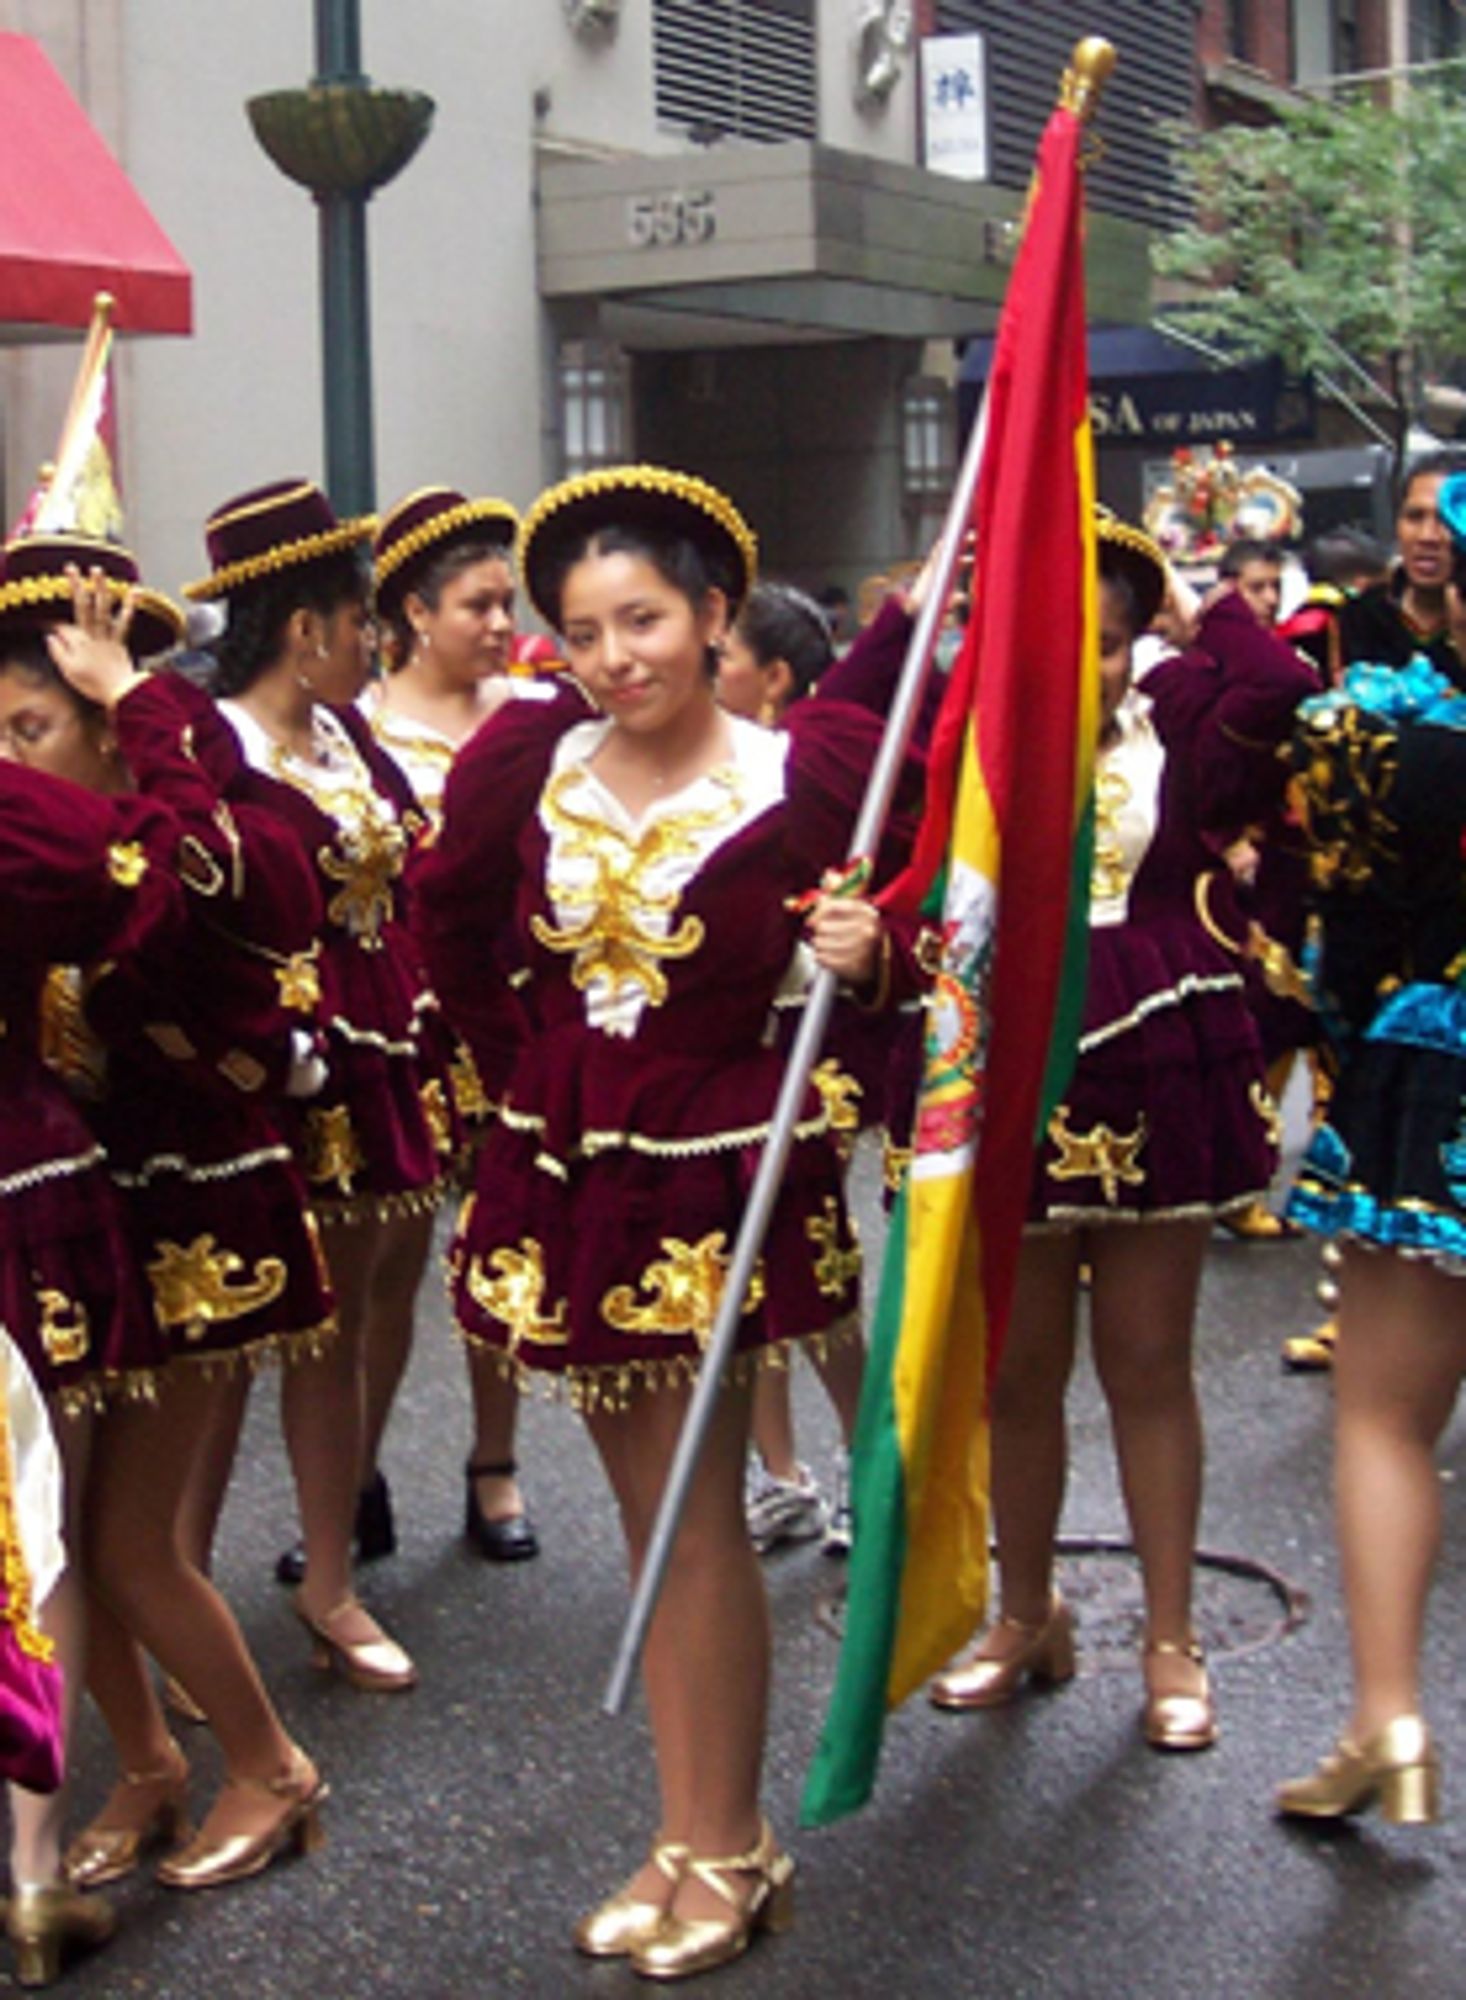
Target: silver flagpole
1090,66
807,1045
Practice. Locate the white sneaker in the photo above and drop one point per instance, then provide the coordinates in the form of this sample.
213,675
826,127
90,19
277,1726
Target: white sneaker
840,1528
784,1510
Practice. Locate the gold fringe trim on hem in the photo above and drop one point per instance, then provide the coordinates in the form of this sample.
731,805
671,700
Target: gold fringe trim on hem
359,1209
95,1394
612,1385
287,1349
1059,1221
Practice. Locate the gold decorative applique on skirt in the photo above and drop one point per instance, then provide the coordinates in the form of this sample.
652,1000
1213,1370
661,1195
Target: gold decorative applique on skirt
836,1268
333,1155
1111,1158
195,1288
679,1291
515,1294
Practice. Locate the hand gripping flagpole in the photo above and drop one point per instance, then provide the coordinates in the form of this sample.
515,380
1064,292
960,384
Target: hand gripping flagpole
1090,66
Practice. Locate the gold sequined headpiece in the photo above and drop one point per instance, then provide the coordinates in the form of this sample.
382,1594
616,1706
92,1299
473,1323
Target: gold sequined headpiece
273,528
638,496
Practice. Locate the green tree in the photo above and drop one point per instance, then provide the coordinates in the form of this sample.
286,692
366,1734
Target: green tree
1343,225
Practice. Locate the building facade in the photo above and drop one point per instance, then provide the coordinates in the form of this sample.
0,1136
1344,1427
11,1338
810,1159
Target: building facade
696,230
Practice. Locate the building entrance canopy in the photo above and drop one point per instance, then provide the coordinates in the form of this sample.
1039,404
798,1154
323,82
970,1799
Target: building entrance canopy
71,222
740,244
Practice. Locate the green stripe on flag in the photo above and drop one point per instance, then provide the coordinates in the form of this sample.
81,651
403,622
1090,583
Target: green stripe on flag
844,1767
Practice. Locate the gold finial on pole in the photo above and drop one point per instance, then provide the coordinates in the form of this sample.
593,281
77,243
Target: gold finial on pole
1090,67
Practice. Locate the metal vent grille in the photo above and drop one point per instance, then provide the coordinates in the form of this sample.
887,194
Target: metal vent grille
744,68
1028,46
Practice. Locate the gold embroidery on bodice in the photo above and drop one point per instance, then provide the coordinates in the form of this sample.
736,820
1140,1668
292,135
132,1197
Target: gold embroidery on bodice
370,843
617,941
1112,793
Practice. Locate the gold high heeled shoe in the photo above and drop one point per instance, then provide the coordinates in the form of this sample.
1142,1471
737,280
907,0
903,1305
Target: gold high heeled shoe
50,1923
212,1859
1178,1721
1397,1770
625,1919
1045,1653
680,1946
376,1664
152,1806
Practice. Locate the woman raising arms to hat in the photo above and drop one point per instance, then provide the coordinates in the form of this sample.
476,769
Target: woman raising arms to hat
445,588
375,1142
159,1061
642,860
1165,1125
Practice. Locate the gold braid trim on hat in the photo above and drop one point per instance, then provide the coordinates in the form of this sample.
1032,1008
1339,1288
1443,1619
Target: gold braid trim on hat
656,479
1110,528
286,555
27,593
442,525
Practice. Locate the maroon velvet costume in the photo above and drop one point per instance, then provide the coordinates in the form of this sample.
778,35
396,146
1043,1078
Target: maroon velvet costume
82,880
1167,1115
611,1184
187,1091
378,1138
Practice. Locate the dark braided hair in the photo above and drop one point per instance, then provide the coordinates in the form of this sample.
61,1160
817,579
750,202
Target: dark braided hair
778,622
258,613
431,581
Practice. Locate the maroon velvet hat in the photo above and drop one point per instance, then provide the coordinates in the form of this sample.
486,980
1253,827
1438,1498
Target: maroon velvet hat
423,526
273,528
651,496
1132,554
35,591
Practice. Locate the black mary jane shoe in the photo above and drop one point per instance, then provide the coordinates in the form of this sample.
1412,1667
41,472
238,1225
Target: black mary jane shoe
374,1534
508,1540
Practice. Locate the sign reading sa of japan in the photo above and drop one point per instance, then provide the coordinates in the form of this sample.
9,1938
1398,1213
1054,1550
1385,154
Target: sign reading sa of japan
954,106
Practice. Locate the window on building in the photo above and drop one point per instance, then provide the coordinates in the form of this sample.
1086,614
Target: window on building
1436,30
1313,40
1346,37
592,406
736,68
1239,40
926,438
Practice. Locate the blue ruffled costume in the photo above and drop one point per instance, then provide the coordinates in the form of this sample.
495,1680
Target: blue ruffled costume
1380,774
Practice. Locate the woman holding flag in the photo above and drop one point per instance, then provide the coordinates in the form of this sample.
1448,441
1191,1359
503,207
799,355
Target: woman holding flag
1165,1126
644,859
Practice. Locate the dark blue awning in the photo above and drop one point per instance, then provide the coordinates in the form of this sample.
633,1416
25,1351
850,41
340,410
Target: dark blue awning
1147,388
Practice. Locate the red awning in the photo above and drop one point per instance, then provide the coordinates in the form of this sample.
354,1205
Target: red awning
71,222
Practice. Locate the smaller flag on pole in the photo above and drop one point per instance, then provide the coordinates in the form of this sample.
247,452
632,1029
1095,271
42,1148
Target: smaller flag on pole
77,493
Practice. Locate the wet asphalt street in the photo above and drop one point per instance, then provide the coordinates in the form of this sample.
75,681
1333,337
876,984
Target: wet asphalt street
1042,1850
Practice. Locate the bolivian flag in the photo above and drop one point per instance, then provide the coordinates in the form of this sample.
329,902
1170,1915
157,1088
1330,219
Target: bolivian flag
1008,813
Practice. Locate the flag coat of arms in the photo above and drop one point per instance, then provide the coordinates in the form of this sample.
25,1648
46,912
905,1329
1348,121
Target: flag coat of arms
1008,830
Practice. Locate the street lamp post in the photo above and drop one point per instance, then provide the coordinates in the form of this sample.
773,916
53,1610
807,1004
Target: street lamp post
342,137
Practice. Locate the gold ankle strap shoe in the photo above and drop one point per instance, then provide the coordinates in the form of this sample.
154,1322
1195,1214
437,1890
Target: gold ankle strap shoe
625,1920
1397,1771
1180,1719
681,1946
